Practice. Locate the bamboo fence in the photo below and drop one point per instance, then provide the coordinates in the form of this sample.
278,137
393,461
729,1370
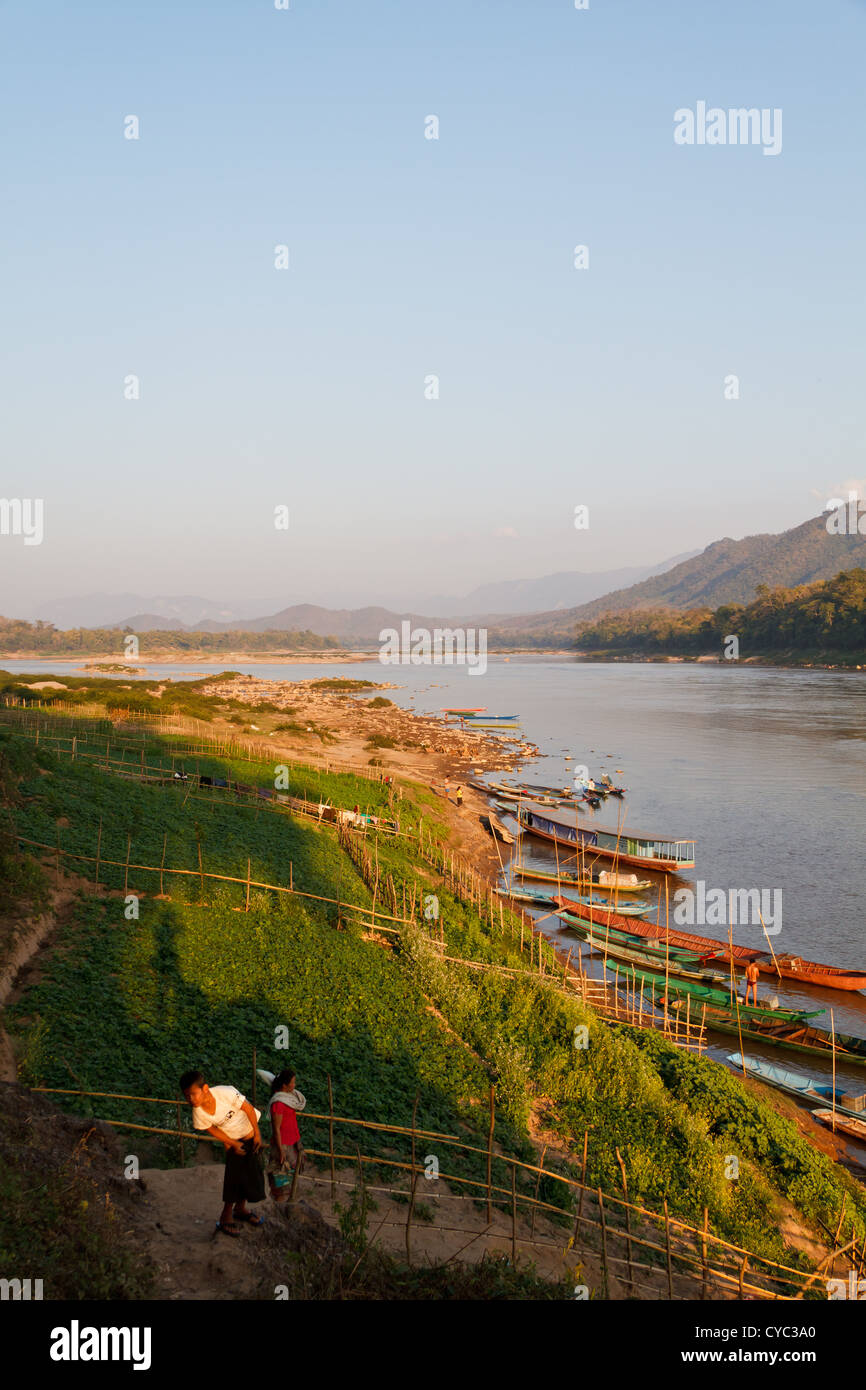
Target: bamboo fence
598,1221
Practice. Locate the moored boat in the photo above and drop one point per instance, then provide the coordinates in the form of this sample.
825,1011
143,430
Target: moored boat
716,999
684,969
660,852
620,883
849,1125
803,1087
793,1036
785,967
498,830
647,946
594,900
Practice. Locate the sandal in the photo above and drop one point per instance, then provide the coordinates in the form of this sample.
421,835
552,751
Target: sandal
250,1217
228,1229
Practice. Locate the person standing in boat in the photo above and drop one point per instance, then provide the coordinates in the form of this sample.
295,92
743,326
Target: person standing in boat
752,973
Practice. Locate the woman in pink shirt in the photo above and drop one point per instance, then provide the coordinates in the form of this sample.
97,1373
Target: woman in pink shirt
286,1100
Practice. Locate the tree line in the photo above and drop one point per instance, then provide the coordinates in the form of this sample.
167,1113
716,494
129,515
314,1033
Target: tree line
827,616
19,636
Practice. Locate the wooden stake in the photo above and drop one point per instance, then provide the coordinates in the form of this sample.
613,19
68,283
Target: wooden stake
490,1158
331,1139
668,1248
603,1239
619,1160
412,1192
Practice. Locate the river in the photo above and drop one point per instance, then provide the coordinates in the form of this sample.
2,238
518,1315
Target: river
764,768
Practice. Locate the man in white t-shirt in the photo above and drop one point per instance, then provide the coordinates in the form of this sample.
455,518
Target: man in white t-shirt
228,1116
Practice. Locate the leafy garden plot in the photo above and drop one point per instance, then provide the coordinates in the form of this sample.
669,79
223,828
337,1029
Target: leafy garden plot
127,1005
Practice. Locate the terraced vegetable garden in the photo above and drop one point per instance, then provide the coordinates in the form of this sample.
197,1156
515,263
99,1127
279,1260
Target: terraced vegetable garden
197,980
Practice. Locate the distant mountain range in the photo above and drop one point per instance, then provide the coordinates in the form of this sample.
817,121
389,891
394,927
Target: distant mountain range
190,612
173,611
727,571
562,590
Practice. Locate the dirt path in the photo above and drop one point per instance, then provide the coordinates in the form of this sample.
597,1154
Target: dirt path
177,1213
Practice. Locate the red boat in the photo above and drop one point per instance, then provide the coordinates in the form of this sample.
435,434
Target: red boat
786,967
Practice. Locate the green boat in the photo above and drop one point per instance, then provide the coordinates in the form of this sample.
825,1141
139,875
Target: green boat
718,1000
677,969
615,937
794,1036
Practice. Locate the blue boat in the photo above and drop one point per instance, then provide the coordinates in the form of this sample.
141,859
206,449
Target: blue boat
815,1092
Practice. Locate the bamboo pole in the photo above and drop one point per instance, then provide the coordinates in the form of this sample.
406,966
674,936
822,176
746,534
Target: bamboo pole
411,1207
603,1240
331,1137
833,1090
705,1270
490,1157
668,1250
621,1163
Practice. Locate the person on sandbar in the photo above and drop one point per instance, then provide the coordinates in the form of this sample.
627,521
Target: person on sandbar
228,1116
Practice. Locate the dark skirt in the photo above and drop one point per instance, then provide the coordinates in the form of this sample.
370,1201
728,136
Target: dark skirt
244,1180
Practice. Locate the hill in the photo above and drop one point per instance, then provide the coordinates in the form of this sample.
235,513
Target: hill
411,1020
728,571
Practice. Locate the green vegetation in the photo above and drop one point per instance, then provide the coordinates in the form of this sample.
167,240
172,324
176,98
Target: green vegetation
826,618
19,636
342,685
126,1005
60,1194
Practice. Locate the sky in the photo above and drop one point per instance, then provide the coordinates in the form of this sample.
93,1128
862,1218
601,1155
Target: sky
410,258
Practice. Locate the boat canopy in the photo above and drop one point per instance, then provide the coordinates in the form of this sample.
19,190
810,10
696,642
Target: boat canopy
563,825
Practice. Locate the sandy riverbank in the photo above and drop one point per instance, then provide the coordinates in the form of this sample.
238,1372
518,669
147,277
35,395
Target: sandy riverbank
220,661
419,747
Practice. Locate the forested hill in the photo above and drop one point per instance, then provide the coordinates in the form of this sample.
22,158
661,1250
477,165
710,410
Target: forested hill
819,621
727,571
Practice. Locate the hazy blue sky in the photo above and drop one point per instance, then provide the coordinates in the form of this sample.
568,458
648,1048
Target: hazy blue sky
408,257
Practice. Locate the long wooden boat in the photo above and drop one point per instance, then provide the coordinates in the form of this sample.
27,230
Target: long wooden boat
598,901
803,1087
856,1128
532,899
479,709
646,946
551,797
794,1037
690,972
620,883
491,718
786,967
601,787
625,846
716,999
498,830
